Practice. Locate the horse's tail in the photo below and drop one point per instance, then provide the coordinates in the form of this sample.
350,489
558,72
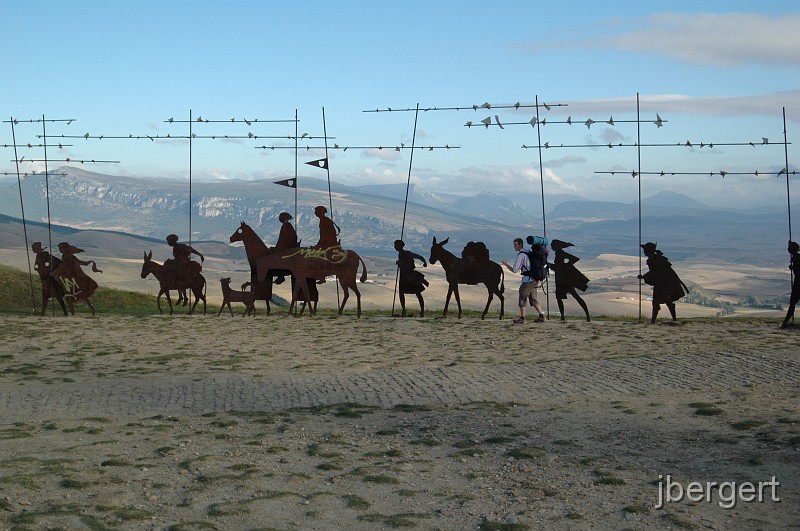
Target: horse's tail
502,280
364,274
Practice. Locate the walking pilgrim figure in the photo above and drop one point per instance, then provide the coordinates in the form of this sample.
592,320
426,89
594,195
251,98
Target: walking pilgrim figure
794,265
667,286
77,284
44,264
568,278
411,281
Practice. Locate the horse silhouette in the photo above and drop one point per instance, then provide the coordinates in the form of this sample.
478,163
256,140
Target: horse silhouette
168,280
313,263
466,271
255,248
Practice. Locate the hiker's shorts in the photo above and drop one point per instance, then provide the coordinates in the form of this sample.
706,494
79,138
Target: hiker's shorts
527,291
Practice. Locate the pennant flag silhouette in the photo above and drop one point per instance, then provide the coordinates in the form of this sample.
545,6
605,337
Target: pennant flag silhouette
321,163
291,183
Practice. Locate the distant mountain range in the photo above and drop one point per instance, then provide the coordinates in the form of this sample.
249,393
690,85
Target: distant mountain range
371,217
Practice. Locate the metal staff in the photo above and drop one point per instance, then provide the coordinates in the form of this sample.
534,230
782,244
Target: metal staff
24,223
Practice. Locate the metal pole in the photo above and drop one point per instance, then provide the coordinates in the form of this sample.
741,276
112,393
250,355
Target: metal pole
786,161
541,181
24,223
788,195
405,204
47,195
190,292
639,168
330,195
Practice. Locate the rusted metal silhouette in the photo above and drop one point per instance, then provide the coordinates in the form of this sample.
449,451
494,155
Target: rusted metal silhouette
44,264
794,265
667,286
229,295
568,278
328,230
466,271
78,286
411,281
314,263
255,248
172,279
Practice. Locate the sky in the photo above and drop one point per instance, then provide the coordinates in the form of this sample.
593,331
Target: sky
714,72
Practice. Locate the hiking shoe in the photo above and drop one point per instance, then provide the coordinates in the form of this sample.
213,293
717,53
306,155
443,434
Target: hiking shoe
521,320
539,319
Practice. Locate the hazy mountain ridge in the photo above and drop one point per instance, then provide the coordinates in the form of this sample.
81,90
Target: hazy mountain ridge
371,218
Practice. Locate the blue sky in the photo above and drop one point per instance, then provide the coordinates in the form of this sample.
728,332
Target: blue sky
716,72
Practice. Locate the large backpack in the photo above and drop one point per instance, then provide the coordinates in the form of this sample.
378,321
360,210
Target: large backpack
537,256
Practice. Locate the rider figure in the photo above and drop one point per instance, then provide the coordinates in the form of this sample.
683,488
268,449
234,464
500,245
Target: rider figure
181,260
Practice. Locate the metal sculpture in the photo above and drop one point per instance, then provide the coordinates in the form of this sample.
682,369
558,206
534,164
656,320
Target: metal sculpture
469,271
229,295
568,278
255,248
44,264
411,281
794,266
172,279
667,286
313,263
77,284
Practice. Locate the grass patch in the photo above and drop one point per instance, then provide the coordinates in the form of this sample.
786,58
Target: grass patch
356,502
523,453
382,479
747,424
411,408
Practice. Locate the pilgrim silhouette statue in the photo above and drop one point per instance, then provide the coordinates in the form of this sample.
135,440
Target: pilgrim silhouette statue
181,261
794,265
411,281
77,284
568,278
667,286
287,239
328,230
44,264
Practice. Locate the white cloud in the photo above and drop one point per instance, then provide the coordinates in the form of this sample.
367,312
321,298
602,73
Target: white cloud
718,39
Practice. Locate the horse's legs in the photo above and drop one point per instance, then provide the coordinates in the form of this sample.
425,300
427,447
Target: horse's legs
502,303
169,300
358,298
488,302
421,305
63,306
344,298
458,300
447,300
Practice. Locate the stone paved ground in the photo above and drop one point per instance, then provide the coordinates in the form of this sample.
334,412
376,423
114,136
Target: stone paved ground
177,394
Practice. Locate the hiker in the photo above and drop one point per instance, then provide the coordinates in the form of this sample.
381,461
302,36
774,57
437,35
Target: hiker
529,285
411,280
568,278
667,286
794,266
44,264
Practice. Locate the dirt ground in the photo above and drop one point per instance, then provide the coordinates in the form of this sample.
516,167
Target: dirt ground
323,423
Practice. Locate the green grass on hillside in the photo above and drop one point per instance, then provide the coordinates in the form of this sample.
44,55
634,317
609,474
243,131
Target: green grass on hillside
15,297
